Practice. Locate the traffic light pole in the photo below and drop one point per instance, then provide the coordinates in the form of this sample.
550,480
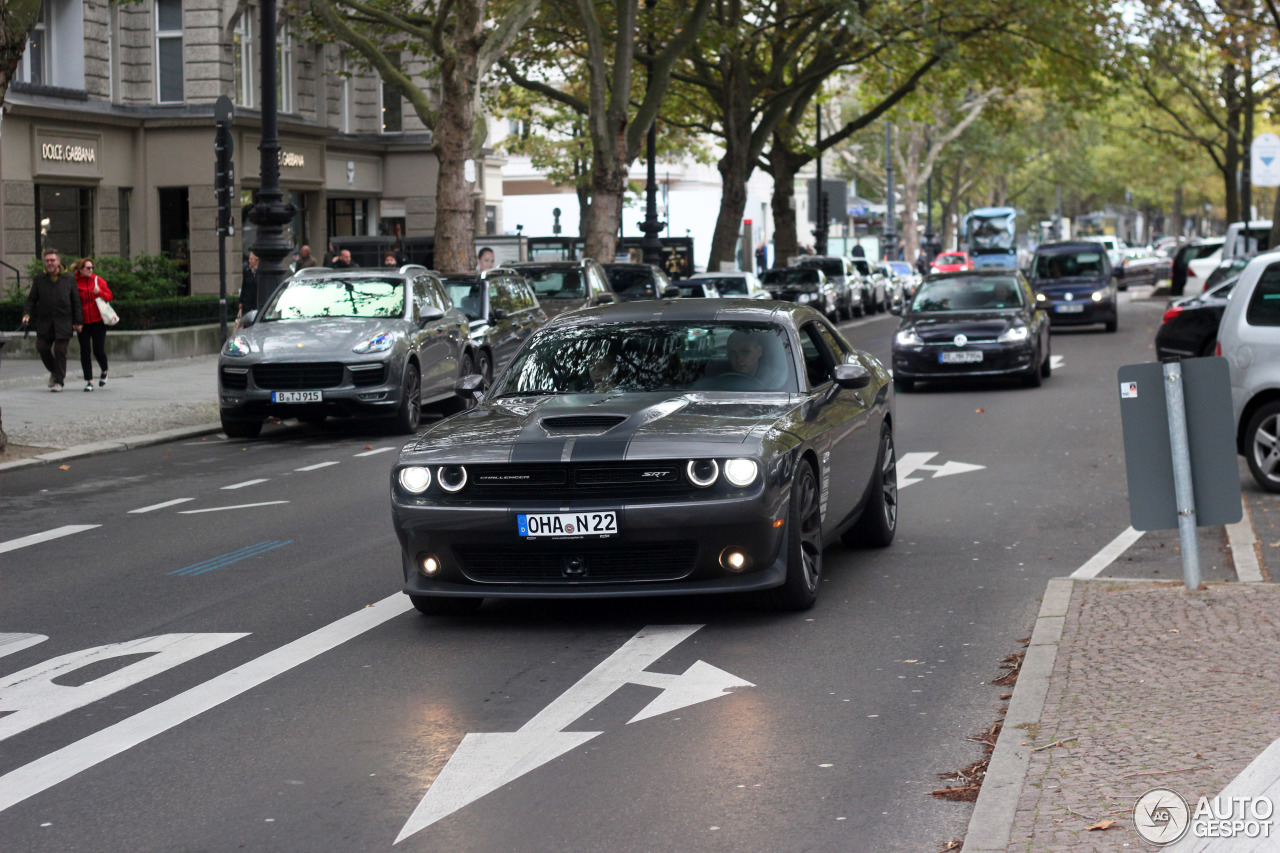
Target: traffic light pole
224,184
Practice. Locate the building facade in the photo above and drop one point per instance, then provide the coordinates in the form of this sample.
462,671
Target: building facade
106,142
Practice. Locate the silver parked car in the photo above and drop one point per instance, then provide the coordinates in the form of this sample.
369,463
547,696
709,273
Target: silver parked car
353,343
1249,339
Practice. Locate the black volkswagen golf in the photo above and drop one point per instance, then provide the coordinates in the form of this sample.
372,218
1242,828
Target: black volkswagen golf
981,323
665,447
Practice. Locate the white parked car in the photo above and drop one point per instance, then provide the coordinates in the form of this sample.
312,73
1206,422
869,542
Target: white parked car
1249,339
738,285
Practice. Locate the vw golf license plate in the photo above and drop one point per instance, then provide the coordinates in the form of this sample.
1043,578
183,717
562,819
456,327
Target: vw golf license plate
1069,309
972,356
566,524
297,397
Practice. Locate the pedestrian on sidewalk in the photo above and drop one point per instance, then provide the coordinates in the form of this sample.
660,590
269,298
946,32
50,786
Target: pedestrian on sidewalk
248,290
54,301
92,288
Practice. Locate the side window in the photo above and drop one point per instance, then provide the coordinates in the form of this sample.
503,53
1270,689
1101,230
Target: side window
598,285
835,344
500,295
817,359
419,296
1264,302
525,295
437,297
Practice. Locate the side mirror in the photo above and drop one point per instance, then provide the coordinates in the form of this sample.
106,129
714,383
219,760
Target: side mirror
498,314
671,293
895,308
606,298
471,385
852,376
249,318
427,313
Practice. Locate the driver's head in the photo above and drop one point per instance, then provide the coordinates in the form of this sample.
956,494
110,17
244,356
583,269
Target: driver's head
744,351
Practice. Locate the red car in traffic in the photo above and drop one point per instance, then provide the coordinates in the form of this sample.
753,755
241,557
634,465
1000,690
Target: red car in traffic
952,262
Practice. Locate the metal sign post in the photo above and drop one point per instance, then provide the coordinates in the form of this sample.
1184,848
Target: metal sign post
1183,489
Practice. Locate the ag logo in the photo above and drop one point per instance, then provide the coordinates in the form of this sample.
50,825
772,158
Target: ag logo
1161,816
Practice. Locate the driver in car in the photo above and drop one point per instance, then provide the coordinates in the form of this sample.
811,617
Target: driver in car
744,350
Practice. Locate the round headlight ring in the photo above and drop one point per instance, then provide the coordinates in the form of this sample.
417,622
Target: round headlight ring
415,479
741,472
702,472
452,478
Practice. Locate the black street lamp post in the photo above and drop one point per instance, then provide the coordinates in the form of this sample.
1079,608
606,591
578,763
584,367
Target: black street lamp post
651,227
270,214
820,198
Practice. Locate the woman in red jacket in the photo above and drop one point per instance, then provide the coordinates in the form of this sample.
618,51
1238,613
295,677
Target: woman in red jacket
94,330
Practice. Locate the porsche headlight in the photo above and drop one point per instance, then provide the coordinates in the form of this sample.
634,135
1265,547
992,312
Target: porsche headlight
741,472
702,472
1013,335
378,343
907,338
415,479
237,347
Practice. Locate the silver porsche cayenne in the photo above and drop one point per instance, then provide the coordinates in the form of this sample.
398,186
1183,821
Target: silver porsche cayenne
376,343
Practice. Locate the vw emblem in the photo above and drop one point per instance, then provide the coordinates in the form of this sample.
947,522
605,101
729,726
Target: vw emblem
1068,296
960,340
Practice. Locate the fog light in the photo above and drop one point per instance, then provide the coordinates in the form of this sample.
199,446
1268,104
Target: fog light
430,565
734,560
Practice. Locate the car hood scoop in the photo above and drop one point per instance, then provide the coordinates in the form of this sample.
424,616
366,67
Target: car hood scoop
581,423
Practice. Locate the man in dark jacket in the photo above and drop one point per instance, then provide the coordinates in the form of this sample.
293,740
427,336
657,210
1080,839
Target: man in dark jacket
54,301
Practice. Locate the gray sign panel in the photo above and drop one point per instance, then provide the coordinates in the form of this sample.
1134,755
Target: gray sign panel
1215,474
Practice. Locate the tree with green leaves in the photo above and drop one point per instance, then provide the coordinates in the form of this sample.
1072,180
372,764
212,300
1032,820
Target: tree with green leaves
455,43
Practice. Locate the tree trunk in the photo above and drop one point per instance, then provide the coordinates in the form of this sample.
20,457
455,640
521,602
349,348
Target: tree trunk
735,171
786,237
1231,153
1246,144
609,171
455,212
1175,215
911,178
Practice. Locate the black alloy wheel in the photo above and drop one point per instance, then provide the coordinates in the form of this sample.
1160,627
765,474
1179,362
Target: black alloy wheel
878,524
803,545
1262,446
409,415
484,366
1046,366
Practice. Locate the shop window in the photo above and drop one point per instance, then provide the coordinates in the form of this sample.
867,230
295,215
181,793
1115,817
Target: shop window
490,219
64,220
169,81
175,229
348,217
242,58
284,71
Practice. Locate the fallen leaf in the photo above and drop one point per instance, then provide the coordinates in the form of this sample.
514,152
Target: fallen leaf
64,467
1174,631
1005,695
1102,824
978,411
368,447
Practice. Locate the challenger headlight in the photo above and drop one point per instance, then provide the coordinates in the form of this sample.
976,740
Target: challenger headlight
1099,295
1013,335
907,338
378,343
452,478
741,472
236,347
702,472
415,479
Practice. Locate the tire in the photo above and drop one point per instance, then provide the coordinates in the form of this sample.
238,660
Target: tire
878,524
1046,366
1033,378
903,385
1262,446
409,415
484,366
1112,325
803,545
241,428
312,420
861,309
436,605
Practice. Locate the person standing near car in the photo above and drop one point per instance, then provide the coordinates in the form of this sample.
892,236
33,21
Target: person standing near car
92,287
54,301
248,290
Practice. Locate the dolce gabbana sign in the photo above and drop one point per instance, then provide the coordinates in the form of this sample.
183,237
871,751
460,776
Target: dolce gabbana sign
292,160
67,154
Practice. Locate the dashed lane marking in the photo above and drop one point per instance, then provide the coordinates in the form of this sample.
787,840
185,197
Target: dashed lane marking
37,538
375,451
164,505
221,508
316,466
245,483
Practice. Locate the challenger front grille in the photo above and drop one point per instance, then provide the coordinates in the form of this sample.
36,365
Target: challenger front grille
586,479
535,562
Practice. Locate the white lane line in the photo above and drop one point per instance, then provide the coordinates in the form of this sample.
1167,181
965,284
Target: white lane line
245,483
164,505
10,643
1108,555
37,538
317,465
1242,539
375,451
221,508
56,767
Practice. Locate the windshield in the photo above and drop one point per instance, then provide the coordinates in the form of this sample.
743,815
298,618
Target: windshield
951,259
634,357
553,283
968,294
830,266
467,295
311,298
1069,265
727,286
692,291
901,268
993,233
632,282
795,275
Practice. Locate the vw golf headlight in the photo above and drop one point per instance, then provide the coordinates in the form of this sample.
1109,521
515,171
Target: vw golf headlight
907,338
237,347
415,479
1013,335
1099,295
378,343
741,472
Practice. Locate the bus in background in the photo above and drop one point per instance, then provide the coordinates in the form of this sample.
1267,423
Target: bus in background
995,237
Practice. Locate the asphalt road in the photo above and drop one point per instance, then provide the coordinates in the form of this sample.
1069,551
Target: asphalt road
228,663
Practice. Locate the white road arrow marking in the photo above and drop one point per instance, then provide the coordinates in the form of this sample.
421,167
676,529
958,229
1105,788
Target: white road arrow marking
484,762
10,643
1055,362
909,463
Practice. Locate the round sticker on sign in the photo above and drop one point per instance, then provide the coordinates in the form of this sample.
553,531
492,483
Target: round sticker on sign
1161,816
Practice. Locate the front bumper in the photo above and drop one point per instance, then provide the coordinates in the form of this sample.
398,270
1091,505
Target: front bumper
358,389
998,359
666,548
1064,313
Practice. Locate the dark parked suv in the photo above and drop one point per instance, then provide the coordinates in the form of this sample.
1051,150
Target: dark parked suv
1074,282
566,285
502,311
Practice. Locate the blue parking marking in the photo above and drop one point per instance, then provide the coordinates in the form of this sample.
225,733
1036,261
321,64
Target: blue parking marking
229,558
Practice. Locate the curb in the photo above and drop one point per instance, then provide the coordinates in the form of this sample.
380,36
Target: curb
111,446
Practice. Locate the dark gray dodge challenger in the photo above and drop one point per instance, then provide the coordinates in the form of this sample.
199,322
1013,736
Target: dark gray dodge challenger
665,447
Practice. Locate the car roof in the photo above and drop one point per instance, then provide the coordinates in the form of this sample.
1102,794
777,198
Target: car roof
726,274
1068,246
688,311
987,273
549,265
361,272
